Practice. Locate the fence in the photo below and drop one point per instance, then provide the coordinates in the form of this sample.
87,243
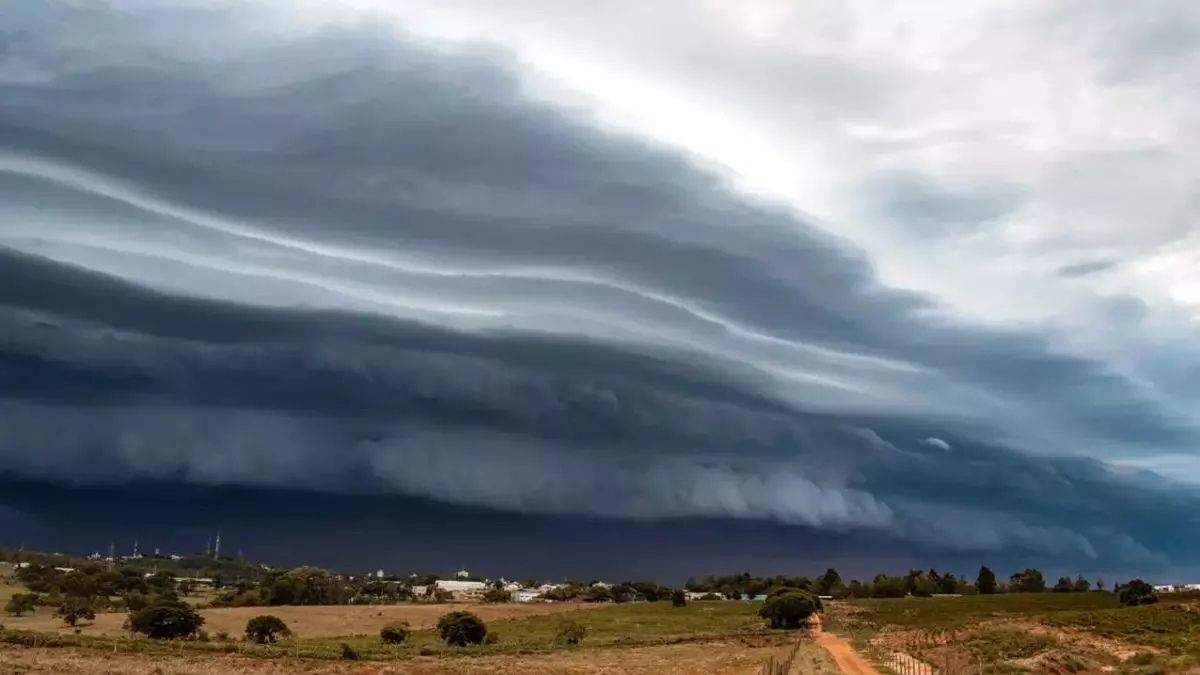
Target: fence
777,666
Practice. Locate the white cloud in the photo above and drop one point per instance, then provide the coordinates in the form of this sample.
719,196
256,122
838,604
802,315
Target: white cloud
937,443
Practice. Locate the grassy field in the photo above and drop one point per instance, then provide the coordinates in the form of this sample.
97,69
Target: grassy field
305,622
528,629
1048,632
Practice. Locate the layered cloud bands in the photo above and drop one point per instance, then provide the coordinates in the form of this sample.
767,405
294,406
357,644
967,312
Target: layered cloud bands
338,259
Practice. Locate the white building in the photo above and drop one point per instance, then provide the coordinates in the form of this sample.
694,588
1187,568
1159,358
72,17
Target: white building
462,590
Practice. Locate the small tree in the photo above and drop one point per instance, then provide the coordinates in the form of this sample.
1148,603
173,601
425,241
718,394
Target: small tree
1029,580
789,610
266,628
461,628
21,603
166,620
1082,585
72,610
1063,585
1136,592
570,632
678,598
394,633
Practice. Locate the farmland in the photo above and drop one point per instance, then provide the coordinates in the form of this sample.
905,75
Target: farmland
643,637
1042,632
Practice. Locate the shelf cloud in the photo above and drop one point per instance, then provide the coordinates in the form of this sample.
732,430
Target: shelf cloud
346,257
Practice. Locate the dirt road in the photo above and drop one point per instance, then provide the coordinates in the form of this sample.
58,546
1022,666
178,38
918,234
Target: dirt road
848,660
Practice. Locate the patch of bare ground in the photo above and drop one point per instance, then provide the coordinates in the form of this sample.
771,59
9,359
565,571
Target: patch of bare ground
721,657
311,621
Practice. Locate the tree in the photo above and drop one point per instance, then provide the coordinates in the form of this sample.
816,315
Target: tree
20,603
985,583
570,632
1028,580
1136,592
789,610
461,628
678,598
1064,585
72,610
166,620
1099,584
829,582
1082,585
266,628
394,633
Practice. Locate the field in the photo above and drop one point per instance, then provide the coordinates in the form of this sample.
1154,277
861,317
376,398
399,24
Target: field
1047,632
718,637
321,621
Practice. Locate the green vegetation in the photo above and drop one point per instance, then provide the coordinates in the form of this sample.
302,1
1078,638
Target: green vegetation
266,629
462,628
73,610
166,620
948,613
1174,628
394,633
570,632
790,609
21,603
1004,644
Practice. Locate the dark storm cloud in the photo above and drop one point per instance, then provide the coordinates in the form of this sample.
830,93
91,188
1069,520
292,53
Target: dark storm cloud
341,260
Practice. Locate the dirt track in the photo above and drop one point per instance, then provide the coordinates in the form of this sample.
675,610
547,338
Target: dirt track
848,660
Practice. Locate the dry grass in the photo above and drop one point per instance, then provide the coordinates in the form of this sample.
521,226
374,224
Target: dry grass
722,657
306,622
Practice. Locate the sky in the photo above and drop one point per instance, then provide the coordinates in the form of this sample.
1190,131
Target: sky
605,288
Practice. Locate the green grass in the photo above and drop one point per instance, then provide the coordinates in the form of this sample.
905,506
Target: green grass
952,613
1169,626
1005,644
639,624
7,590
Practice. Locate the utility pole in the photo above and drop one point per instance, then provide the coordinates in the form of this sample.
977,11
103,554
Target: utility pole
217,549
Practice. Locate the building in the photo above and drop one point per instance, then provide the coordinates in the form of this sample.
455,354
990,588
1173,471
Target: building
462,590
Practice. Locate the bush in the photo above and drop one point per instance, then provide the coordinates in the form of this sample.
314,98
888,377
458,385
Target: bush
1136,592
394,633
20,603
492,638
72,610
570,633
789,610
678,598
349,653
494,595
461,628
266,628
166,620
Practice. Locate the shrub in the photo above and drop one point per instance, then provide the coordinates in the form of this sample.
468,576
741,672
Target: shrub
20,603
789,610
494,595
166,620
1136,592
678,598
349,653
492,638
72,610
266,628
570,632
394,633
461,628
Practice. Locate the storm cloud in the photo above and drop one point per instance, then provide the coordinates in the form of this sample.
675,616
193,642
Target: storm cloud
340,258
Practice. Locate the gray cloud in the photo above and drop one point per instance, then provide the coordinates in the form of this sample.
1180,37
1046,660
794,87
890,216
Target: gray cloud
345,260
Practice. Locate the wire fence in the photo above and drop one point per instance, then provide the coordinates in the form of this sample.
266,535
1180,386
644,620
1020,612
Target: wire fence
780,666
